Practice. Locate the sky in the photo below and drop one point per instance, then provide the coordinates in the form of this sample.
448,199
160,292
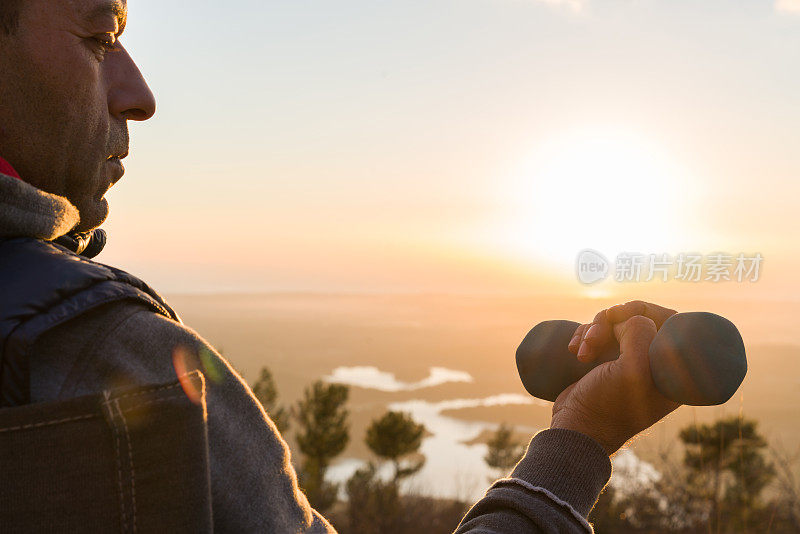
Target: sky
459,146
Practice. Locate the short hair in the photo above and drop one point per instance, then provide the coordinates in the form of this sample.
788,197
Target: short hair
9,16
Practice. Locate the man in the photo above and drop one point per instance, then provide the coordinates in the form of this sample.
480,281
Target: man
71,327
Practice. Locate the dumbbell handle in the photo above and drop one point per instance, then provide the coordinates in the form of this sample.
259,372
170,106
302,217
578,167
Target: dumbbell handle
697,358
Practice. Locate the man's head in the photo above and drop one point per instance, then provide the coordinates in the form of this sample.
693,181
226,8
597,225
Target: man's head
67,90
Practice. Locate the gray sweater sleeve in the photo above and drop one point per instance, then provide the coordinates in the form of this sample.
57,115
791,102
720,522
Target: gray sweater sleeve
253,484
551,490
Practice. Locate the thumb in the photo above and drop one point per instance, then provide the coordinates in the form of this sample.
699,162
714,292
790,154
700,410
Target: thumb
634,337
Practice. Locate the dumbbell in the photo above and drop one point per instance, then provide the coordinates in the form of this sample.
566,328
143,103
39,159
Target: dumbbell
696,358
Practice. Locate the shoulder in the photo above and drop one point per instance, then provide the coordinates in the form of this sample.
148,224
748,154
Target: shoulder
120,343
38,275
45,286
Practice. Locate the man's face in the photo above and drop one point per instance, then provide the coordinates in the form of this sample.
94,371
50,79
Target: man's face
67,90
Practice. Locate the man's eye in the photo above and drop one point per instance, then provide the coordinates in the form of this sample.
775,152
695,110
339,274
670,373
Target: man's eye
105,43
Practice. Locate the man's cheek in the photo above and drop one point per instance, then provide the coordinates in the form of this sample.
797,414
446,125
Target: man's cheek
70,74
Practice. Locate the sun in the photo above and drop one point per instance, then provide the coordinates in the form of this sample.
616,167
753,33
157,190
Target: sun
606,189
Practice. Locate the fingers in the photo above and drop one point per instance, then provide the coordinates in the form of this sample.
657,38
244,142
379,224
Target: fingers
589,338
622,312
600,331
577,338
634,336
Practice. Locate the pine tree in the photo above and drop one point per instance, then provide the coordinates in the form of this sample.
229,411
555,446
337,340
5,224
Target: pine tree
322,435
266,392
726,462
373,506
504,452
394,436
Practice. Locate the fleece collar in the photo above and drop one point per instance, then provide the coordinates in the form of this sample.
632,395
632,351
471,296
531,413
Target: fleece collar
26,211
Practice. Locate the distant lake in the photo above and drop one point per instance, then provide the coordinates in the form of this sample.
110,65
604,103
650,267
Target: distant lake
373,378
454,468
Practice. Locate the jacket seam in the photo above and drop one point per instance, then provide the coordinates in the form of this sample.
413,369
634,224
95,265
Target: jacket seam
152,390
48,423
115,431
130,463
154,401
93,416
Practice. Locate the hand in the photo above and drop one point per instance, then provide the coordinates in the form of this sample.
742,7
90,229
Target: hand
591,340
618,399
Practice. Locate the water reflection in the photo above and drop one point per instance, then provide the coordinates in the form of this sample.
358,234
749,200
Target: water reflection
373,378
453,468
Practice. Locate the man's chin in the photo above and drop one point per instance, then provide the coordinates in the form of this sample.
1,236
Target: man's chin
93,213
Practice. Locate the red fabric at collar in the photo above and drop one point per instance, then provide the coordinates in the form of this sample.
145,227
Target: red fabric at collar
6,168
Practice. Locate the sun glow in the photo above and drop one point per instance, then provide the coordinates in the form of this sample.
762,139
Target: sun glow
605,189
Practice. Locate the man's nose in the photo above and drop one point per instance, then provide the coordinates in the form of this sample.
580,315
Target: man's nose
129,97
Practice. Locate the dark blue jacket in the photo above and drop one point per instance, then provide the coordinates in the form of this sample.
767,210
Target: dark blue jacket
44,284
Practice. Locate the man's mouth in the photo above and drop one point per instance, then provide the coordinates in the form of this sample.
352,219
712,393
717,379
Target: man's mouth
113,172
117,169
